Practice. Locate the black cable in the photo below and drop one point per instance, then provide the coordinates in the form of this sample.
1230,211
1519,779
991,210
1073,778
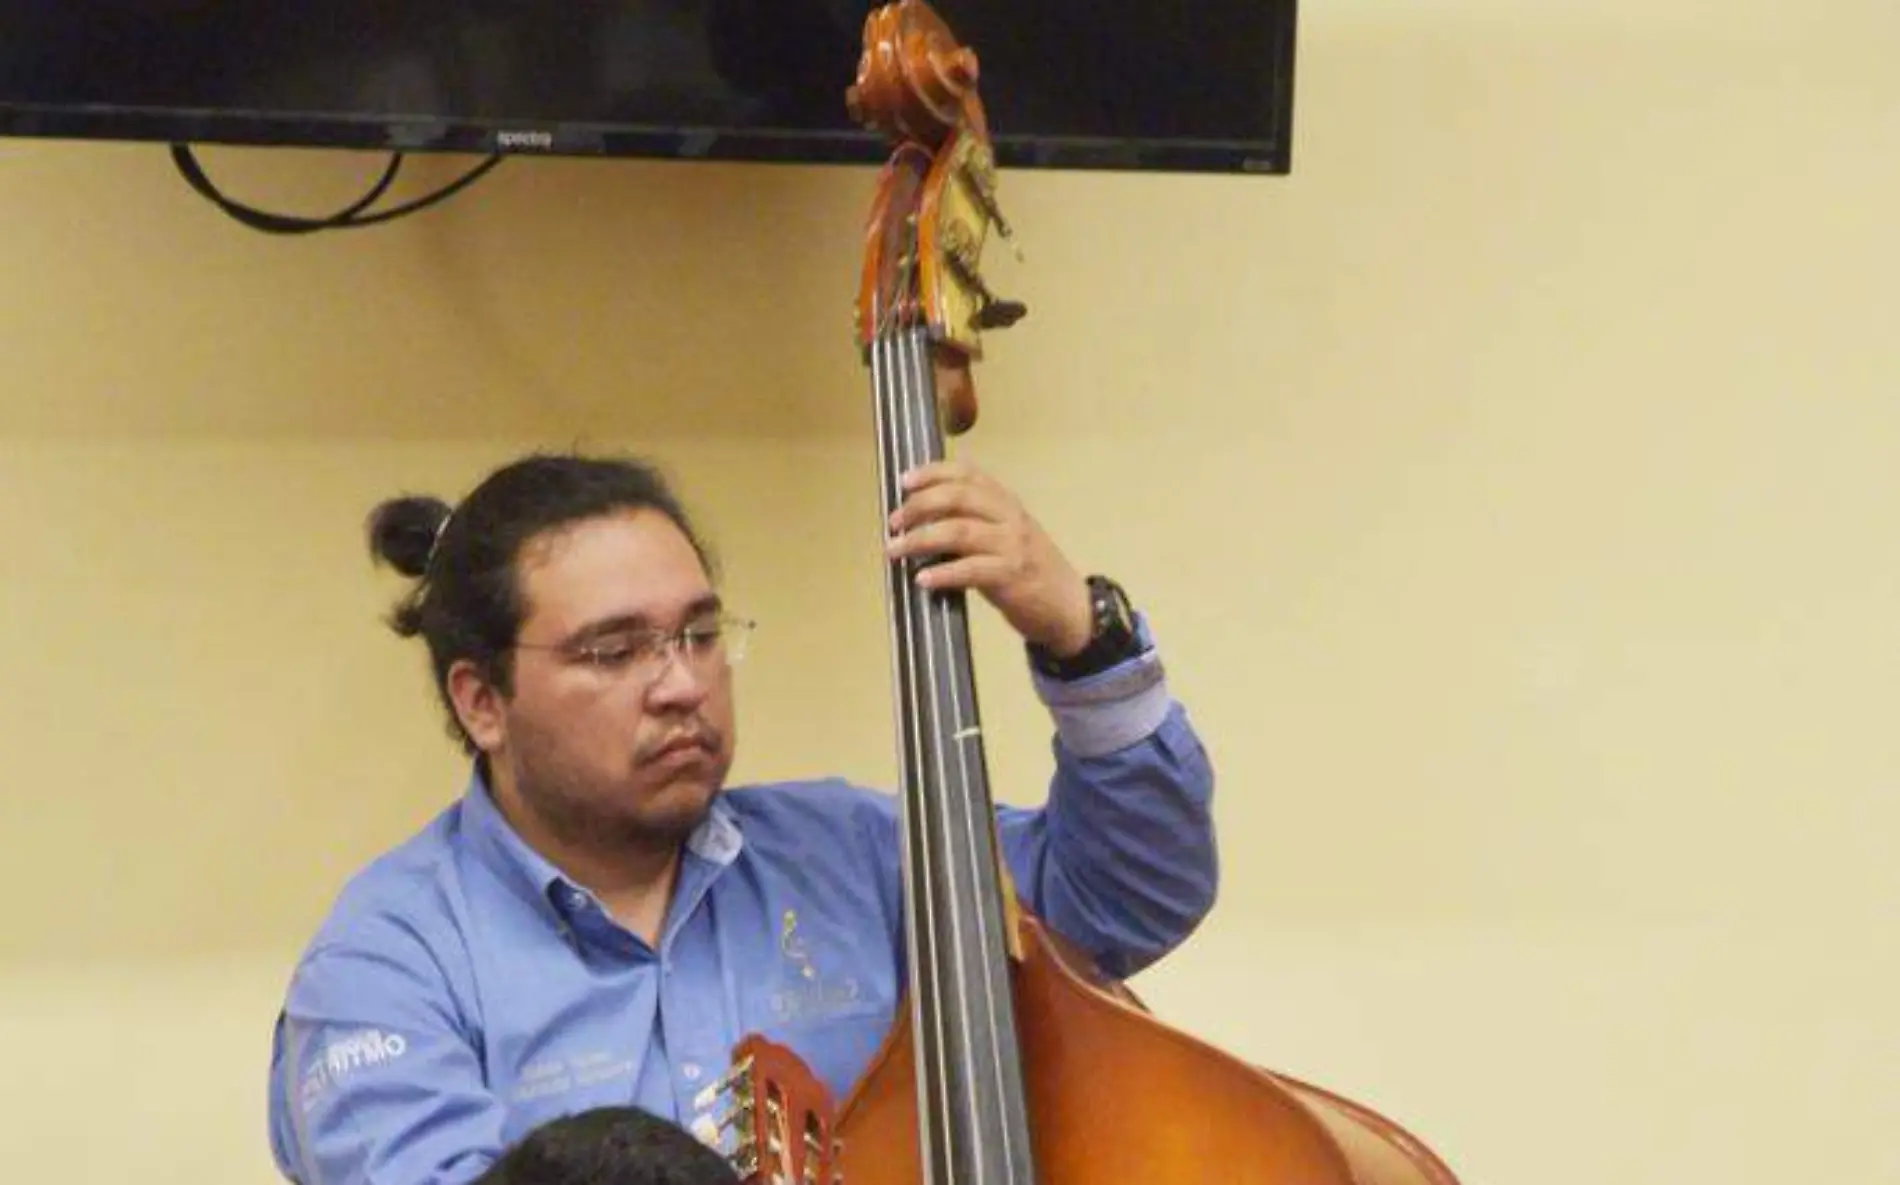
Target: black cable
349,218
447,191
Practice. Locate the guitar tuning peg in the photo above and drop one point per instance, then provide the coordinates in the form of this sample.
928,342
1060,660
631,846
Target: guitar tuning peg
738,1073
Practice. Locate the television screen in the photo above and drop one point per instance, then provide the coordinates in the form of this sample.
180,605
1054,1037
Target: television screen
1140,84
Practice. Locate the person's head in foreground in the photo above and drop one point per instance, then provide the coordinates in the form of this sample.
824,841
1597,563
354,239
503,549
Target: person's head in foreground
610,1146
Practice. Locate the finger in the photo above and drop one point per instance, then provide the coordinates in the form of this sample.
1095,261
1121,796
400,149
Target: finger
932,473
952,500
980,572
948,537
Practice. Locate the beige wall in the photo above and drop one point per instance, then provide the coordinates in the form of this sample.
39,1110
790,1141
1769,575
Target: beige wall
1513,488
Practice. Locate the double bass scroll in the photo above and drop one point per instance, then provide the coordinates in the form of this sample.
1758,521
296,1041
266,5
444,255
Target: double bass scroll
1013,1060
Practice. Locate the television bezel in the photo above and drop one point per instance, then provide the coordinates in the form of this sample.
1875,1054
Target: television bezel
436,134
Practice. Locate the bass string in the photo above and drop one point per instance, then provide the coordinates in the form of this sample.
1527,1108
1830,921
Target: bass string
915,411
959,953
915,852
982,977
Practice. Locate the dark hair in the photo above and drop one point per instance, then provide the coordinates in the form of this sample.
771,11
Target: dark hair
467,602
610,1146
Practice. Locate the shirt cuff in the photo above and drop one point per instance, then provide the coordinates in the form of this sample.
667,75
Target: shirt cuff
1112,709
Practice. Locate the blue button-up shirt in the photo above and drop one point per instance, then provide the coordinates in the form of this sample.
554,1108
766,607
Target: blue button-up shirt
463,991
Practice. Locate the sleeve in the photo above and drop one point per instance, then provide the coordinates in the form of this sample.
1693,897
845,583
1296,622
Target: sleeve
373,1079
1121,860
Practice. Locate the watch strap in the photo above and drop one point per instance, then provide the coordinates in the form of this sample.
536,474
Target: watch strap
1112,640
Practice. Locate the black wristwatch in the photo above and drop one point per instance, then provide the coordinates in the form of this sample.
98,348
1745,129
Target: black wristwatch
1113,641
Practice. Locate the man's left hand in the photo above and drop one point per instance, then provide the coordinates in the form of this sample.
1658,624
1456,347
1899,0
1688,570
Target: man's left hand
988,542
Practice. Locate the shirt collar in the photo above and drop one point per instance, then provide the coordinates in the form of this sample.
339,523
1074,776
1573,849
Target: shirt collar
717,841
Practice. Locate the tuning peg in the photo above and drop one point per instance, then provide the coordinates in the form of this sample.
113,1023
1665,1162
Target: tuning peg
987,198
739,1072
980,173
999,314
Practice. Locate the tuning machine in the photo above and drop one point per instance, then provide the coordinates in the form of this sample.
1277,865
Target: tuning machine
960,252
735,1083
726,1125
979,176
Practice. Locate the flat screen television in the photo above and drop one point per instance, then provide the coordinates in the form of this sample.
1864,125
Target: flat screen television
1114,84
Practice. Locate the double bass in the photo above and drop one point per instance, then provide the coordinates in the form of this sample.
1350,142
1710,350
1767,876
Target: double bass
1013,1060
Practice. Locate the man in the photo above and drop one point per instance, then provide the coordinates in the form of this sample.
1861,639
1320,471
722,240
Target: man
610,1146
599,919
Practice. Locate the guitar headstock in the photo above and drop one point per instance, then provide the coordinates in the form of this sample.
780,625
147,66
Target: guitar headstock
936,198
775,1125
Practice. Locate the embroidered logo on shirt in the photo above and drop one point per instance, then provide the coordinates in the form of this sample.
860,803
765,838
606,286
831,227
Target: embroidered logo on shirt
807,996
552,1076
347,1054
794,946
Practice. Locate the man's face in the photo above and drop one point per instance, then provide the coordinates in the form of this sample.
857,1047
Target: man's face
603,744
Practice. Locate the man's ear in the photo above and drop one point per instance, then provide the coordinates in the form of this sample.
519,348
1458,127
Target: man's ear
478,705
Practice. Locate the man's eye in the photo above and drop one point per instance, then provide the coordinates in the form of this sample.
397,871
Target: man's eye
703,637
618,652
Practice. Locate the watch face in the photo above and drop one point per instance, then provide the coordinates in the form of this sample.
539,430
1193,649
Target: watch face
1112,608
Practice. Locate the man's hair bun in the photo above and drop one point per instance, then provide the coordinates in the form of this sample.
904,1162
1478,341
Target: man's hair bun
402,532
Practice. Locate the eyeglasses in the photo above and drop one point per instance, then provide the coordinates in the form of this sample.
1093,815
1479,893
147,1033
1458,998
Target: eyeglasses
644,653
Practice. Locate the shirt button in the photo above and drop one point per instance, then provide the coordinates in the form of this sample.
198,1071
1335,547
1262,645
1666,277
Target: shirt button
690,1071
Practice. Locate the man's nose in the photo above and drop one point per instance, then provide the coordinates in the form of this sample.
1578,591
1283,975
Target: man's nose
677,681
